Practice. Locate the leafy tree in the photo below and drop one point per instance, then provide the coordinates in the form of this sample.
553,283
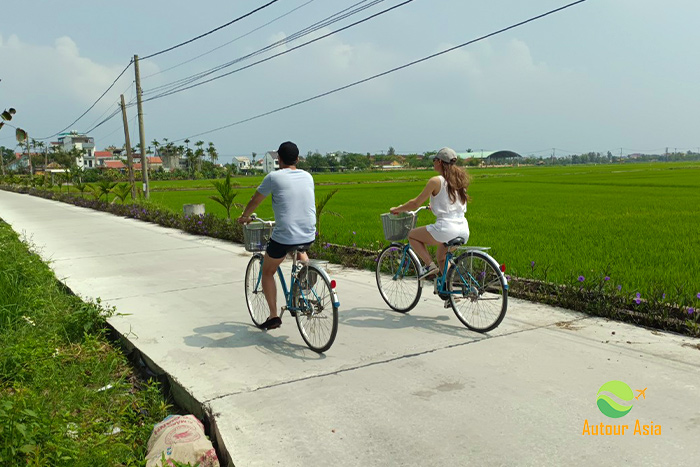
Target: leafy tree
391,151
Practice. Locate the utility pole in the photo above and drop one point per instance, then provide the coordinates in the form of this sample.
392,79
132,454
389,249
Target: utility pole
142,135
129,157
29,159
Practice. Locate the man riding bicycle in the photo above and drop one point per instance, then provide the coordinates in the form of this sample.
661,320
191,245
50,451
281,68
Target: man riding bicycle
294,205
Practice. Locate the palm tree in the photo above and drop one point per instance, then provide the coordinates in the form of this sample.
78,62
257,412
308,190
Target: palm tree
226,194
199,152
213,155
122,191
104,187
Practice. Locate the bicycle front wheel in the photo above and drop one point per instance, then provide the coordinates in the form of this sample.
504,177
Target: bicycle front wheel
254,296
478,294
397,278
316,311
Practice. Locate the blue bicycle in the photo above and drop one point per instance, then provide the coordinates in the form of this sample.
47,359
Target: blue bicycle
311,296
471,282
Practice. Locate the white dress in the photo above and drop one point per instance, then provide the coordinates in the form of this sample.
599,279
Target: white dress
451,221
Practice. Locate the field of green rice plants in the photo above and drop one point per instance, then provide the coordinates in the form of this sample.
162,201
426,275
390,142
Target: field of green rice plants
638,224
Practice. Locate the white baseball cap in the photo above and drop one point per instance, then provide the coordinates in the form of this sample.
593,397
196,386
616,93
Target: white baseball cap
446,155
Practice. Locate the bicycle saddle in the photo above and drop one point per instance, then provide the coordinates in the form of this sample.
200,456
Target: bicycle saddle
455,242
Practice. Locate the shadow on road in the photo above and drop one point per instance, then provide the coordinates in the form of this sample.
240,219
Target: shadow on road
386,319
231,335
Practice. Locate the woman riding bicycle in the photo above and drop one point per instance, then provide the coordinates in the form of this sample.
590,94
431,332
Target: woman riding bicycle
448,201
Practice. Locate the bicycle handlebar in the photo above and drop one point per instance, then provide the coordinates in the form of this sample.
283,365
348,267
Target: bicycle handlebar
254,217
417,210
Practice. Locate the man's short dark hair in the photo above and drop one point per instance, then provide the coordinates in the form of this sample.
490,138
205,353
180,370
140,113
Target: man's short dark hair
288,153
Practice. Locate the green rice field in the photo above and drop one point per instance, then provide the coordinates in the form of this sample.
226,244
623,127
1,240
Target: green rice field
638,224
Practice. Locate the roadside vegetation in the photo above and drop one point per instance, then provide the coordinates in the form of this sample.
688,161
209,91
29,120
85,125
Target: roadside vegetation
67,396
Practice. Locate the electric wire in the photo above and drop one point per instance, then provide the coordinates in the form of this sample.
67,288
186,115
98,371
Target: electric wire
229,42
378,75
211,31
93,105
175,86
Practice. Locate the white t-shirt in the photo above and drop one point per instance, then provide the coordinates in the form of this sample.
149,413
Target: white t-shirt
294,204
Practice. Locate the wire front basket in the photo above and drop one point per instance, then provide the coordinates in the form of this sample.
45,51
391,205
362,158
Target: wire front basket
396,227
256,235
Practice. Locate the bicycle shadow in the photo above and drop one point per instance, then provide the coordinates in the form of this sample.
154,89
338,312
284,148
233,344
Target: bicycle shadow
365,317
241,335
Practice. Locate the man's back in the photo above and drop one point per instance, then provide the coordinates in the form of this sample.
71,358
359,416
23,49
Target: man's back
294,205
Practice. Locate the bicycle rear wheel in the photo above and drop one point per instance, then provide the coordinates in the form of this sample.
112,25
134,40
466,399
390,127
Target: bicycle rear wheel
478,294
254,296
397,278
316,310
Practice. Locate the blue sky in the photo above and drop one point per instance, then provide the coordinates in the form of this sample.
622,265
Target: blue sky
618,75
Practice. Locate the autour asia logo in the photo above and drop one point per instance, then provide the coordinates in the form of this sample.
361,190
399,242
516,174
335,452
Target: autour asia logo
616,399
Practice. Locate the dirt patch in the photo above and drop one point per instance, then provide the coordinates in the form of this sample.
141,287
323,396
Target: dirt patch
568,325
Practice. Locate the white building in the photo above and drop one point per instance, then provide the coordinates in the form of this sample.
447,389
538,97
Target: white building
75,140
270,162
241,163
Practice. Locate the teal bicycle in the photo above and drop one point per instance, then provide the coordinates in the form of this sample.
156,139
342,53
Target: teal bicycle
471,282
310,298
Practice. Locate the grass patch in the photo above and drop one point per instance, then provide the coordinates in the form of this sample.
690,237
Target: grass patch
67,396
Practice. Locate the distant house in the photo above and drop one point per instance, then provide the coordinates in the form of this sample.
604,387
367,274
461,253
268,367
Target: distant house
102,156
83,142
21,162
270,162
241,163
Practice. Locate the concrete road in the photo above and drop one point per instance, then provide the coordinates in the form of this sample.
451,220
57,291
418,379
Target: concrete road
416,389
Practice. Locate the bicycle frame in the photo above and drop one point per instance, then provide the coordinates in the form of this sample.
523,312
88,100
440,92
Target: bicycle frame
287,291
441,280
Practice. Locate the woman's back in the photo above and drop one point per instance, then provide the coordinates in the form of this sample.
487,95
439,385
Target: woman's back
443,207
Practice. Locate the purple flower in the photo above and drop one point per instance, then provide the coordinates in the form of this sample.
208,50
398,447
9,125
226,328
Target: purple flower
317,233
325,247
354,244
663,296
691,310
508,276
638,300
355,233
581,278
606,279
619,287
698,295
532,264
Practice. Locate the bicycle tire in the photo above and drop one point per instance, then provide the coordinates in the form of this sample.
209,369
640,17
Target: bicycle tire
254,296
316,311
399,286
483,301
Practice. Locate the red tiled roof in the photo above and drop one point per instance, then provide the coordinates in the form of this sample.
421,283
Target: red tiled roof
114,164
99,154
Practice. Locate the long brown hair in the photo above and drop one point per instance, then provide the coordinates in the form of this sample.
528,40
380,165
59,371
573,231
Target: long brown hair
457,182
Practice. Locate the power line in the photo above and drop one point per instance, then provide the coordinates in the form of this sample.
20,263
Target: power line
318,96
181,84
93,105
229,42
211,31
176,89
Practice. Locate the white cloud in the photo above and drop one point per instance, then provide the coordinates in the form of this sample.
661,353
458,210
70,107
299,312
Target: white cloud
52,85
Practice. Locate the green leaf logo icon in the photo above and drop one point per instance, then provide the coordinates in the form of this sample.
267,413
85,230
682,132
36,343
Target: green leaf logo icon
610,407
